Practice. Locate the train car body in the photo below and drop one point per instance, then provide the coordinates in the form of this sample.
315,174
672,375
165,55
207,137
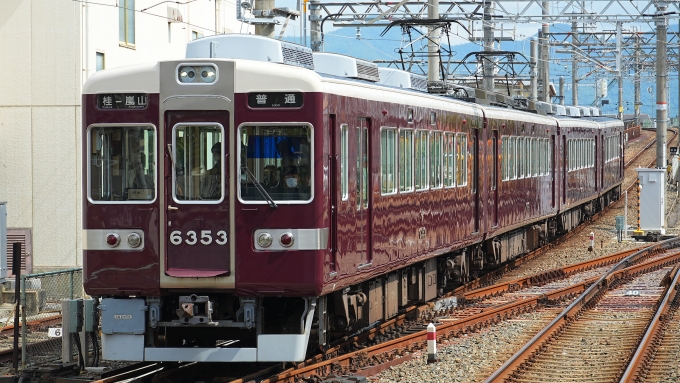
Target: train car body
243,210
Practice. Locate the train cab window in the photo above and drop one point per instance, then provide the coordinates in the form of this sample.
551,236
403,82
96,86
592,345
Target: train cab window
461,159
344,162
275,163
197,159
405,160
122,165
388,161
449,160
421,159
436,181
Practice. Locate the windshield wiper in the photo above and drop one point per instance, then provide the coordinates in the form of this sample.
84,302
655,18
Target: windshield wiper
259,187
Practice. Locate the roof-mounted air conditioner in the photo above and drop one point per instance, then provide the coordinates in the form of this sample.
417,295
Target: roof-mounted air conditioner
345,66
573,111
402,79
251,47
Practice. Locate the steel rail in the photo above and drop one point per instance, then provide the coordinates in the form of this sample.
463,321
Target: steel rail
593,292
647,344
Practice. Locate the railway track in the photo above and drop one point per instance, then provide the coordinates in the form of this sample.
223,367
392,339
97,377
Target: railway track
593,338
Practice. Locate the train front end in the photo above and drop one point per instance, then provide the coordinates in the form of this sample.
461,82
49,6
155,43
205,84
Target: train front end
203,227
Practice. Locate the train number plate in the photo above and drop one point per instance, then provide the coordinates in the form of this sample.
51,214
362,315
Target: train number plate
205,237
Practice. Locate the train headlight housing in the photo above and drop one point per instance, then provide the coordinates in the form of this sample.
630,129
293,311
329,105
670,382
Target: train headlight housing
134,240
264,240
286,239
208,74
112,239
186,74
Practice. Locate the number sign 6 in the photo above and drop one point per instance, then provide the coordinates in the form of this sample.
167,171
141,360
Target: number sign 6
192,238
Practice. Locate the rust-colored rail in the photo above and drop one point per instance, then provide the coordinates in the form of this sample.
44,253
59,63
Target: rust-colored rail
620,270
638,365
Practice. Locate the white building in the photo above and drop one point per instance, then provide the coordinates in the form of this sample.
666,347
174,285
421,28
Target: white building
48,49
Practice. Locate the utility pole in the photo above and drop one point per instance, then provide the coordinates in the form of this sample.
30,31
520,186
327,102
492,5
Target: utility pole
619,71
638,70
661,79
315,20
561,90
545,52
487,61
574,63
433,42
533,44
263,9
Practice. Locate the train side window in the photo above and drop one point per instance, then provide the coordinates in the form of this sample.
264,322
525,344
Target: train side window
549,159
527,157
461,163
504,158
388,161
122,164
512,157
534,157
449,159
344,162
406,160
521,156
436,160
421,159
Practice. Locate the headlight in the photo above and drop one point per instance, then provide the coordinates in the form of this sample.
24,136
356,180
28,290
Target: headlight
264,240
134,240
187,74
208,74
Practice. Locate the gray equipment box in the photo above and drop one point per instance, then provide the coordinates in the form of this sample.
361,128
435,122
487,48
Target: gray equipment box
652,200
123,316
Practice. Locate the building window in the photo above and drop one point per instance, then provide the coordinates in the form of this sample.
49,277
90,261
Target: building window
100,61
196,35
126,22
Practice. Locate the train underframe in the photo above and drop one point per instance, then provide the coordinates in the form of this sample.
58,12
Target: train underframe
216,320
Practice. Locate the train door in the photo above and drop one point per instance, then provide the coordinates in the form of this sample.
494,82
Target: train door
494,177
553,170
363,186
197,217
475,176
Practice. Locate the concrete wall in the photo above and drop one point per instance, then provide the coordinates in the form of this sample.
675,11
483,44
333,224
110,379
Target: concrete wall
48,50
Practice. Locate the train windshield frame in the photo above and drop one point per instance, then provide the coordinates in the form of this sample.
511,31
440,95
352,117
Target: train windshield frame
122,163
275,160
198,163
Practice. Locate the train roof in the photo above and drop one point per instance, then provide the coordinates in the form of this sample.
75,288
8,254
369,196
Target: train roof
499,113
576,122
141,78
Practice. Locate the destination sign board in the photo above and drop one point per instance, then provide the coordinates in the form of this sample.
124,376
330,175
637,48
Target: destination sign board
275,99
122,101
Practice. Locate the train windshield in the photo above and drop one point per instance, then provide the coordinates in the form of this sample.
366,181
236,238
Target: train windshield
197,162
276,162
122,164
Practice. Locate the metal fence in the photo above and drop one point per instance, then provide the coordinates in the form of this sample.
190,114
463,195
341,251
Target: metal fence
41,296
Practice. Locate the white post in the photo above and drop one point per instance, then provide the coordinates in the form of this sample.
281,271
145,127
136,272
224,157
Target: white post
431,343
592,242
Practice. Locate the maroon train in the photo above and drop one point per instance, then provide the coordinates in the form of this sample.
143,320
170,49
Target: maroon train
247,208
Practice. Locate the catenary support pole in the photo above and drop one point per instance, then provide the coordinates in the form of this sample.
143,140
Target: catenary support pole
661,90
